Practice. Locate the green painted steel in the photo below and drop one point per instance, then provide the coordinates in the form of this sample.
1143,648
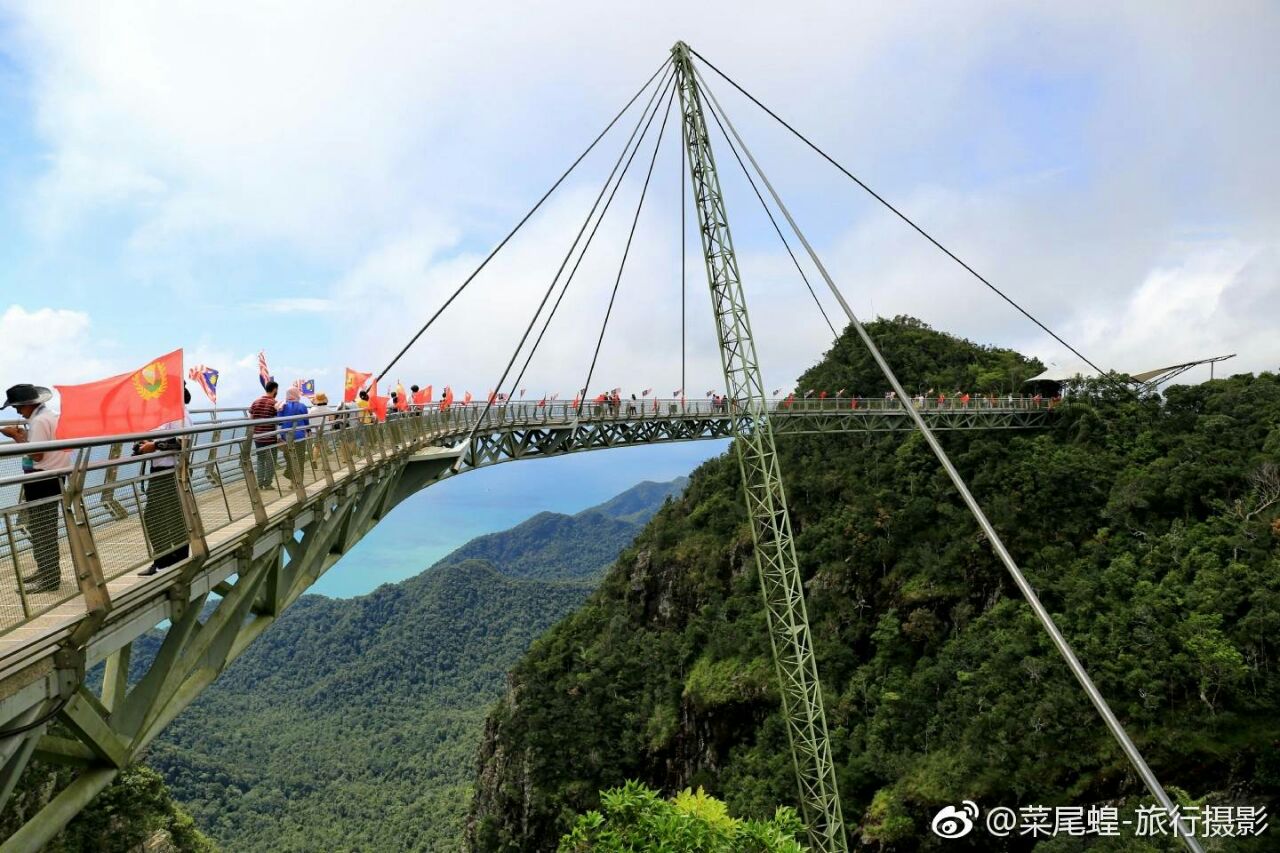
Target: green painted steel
779,570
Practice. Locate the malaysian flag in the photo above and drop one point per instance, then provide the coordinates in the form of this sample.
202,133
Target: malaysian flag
264,375
207,379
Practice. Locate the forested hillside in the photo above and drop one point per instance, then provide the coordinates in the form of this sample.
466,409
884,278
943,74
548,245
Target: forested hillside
1148,526
354,724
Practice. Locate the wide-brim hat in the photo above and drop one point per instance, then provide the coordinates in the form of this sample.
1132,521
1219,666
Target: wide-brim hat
26,395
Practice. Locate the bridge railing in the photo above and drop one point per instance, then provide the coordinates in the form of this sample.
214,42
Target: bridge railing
112,509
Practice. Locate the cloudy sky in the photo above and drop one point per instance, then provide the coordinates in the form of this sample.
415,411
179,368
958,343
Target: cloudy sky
313,179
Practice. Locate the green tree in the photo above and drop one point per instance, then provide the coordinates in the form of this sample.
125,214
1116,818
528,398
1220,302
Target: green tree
634,818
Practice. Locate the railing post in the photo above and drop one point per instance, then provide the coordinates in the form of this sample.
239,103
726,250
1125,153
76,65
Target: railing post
198,544
350,445
211,464
84,552
108,498
324,453
293,465
247,461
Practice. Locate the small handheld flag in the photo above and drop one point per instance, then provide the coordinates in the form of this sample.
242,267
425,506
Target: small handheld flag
264,375
207,379
306,387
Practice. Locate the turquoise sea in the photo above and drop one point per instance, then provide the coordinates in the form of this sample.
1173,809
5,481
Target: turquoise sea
439,519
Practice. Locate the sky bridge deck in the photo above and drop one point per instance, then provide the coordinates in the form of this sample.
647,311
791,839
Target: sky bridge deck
107,489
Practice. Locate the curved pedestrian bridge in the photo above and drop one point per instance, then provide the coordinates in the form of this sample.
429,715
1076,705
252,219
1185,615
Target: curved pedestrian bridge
253,525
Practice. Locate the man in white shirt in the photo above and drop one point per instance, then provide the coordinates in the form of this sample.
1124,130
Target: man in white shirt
41,492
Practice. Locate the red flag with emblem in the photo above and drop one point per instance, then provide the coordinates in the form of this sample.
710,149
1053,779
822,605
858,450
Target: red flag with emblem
354,382
138,401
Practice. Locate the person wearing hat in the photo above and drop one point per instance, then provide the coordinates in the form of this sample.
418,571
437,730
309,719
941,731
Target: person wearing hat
45,483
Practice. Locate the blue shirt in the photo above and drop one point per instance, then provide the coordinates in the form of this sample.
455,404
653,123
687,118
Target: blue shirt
293,407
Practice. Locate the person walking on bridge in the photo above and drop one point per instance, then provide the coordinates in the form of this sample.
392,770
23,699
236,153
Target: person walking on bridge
294,434
45,487
162,517
265,436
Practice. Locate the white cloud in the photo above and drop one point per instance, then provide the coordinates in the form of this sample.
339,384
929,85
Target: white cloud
48,345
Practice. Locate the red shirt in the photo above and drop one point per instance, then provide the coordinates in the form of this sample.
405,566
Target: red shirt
264,407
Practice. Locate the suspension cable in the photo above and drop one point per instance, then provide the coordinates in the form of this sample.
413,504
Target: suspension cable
519,224
1060,643
626,251
599,220
904,217
551,287
774,222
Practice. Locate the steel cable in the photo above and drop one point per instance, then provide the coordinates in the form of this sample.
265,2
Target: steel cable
1102,373
626,251
519,225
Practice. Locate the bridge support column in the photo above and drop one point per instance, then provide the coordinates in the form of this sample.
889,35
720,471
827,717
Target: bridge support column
775,552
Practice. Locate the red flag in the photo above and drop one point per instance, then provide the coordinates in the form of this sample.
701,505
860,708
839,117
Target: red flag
542,402
822,396
423,397
378,405
131,402
576,398
446,399
402,399
354,382
466,398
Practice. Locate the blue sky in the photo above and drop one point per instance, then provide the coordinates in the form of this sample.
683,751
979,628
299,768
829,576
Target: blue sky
314,179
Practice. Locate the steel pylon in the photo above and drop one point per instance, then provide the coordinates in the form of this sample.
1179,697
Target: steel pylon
775,550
